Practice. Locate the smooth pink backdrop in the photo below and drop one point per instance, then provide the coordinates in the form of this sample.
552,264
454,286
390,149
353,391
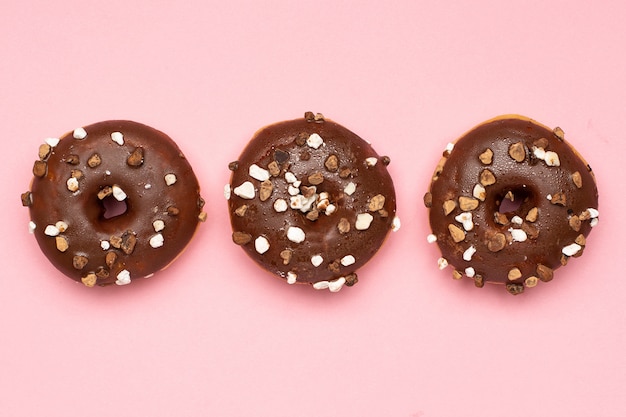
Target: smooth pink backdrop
213,334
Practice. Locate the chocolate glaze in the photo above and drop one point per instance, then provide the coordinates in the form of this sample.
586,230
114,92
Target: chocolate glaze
342,159
519,165
99,250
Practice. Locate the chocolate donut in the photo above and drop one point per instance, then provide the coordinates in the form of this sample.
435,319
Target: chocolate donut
510,202
112,201
311,202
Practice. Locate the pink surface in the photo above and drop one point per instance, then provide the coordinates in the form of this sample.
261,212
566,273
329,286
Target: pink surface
214,335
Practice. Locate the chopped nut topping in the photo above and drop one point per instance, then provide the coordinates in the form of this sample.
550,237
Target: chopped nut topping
123,277
40,168
118,193
79,133
470,272
544,273
497,242
465,218
301,138
377,202
27,199
292,277
79,262
456,232
317,260
345,173
442,263
385,160
241,210
61,243
173,211
350,188
72,159
332,163
89,280
531,282
110,259
261,244
431,238
94,160
286,256
479,192
514,274
571,249
428,200
501,218
316,178
129,240
76,173
363,221
371,161
541,143
343,226
258,173
314,214
348,260
266,190
319,118
577,179
559,198
457,274
203,216
486,157
468,203
241,238
72,184
44,151
135,159
105,192
118,138
245,190
315,141
532,232
479,282
552,159
558,132
448,206
517,152
233,166
273,168
515,289
575,223
102,273
518,235
469,252
532,215
170,179
296,234
351,279
487,177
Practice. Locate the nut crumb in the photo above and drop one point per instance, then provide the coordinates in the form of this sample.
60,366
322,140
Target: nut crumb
135,159
61,243
468,203
94,160
487,177
89,280
497,242
332,163
241,210
377,202
266,190
343,226
544,273
514,274
241,238
448,206
517,152
577,179
532,215
456,232
486,157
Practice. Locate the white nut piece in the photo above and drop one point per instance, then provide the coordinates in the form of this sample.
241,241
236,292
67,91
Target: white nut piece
170,179
51,230
479,192
518,235
52,142
317,260
315,141
470,272
158,225
118,138
442,263
348,260
118,193
261,244
552,159
336,285
296,234
156,241
469,252
571,250
123,278
258,173
226,191
79,133
280,205
431,238
72,184
245,190
363,221
350,188
292,277
465,219
371,161
395,224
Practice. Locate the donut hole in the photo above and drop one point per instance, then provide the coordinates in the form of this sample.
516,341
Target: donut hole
511,201
113,207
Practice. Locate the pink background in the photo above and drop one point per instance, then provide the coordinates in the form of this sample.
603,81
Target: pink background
213,334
